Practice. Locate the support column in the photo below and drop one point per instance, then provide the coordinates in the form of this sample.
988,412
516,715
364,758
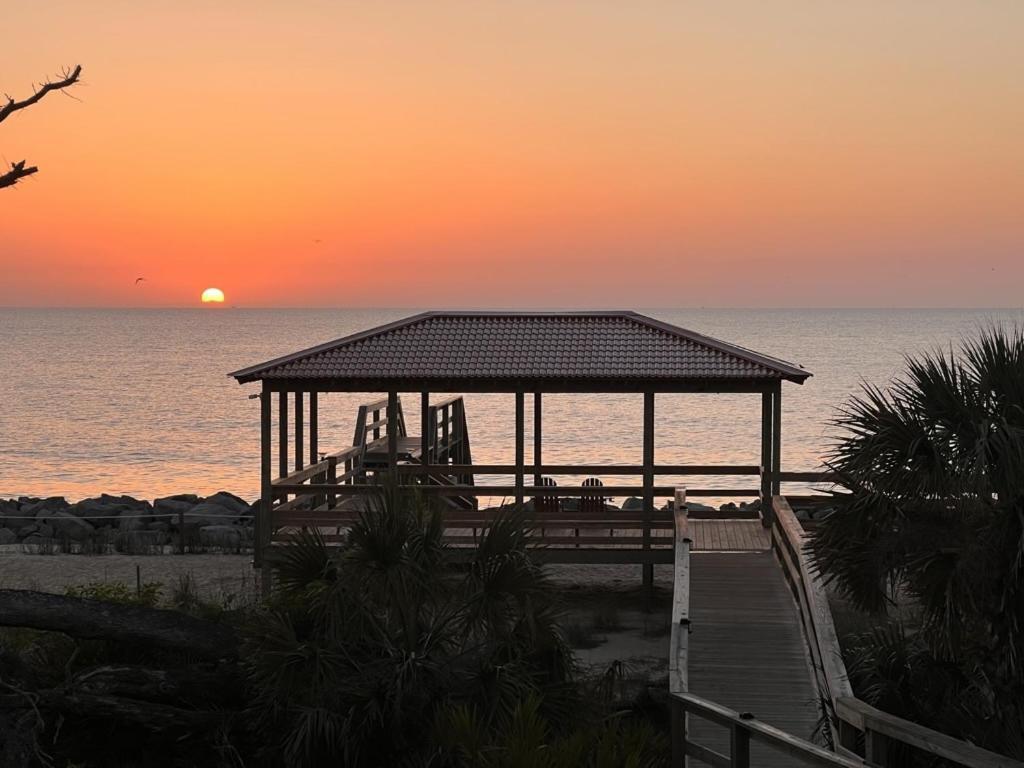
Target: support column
314,429
538,436
767,402
264,510
648,568
425,436
282,433
300,415
777,439
520,444
392,435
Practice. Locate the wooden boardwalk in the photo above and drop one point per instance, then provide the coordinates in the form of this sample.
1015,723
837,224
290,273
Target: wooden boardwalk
747,651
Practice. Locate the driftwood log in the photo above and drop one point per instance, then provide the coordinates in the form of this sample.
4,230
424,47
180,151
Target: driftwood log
97,619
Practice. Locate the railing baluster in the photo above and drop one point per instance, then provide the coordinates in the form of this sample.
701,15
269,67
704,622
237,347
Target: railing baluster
739,743
876,748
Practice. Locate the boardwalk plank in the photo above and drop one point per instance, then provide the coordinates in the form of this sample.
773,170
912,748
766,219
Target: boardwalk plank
746,648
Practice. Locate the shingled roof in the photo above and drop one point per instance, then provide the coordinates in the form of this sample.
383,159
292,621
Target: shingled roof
505,351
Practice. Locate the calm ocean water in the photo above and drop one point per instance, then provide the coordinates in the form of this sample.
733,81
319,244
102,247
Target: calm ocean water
138,401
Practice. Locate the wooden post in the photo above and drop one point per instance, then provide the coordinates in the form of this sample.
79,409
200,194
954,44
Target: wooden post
739,744
425,436
777,439
264,509
314,429
678,732
876,748
392,434
282,434
300,418
538,436
520,445
181,532
648,568
767,398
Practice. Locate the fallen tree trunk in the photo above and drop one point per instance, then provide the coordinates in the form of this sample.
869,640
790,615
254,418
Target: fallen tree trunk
157,718
96,619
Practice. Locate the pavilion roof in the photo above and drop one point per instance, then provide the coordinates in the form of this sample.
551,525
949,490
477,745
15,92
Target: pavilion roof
525,351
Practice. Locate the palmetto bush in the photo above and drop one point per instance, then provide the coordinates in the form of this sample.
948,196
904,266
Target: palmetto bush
933,515
386,651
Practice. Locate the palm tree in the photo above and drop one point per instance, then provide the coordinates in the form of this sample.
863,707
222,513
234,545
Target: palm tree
396,650
932,513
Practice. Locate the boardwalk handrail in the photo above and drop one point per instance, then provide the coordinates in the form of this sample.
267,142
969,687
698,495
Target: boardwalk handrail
744,729
854,722
679,639
788,542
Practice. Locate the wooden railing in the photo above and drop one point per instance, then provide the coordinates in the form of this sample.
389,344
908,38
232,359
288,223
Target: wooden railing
743,728
679,637
788,542
858,729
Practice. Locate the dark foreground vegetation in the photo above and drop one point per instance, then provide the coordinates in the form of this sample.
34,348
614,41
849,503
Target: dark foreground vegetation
384,652
928,541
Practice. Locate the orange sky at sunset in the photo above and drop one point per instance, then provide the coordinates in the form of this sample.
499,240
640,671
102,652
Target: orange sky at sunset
517,154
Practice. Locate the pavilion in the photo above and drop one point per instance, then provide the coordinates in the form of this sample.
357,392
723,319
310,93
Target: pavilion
518,353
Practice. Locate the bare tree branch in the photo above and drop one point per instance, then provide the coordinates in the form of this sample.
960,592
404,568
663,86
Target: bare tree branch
18,171
12,106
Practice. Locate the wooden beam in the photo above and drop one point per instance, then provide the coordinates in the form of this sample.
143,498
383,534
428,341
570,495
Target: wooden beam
392,431
282,433
263,511
766,456
648,466
538,434
503,385
300,439
425,436
520,445
314,429
776,438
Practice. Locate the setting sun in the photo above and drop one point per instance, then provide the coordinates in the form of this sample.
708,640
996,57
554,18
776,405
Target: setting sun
213,296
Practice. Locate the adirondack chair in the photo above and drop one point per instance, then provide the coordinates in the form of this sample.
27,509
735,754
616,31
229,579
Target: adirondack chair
547,505
591,504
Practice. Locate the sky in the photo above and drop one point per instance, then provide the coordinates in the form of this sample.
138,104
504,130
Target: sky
524,154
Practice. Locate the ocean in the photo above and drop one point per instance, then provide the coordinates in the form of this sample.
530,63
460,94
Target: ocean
138,401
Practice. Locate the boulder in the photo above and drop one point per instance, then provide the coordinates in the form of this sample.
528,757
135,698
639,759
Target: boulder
7,536
169,508
229,501
220,509
632,504
11,515
27,530
105,510
570,505
69,525
220,536
729,506
45,507
696,506
45,529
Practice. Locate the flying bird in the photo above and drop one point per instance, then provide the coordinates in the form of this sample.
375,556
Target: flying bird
139,280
